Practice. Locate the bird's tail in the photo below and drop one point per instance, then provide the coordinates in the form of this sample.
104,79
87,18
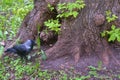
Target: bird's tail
11,50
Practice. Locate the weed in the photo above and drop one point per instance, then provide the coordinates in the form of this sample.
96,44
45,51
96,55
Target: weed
51,7
66,10
110,17
38,38
15,67
113,34
70,9
1,51
12,13
43,55
53,25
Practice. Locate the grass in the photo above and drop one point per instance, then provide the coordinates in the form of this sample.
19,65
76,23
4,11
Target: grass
16,69
12,13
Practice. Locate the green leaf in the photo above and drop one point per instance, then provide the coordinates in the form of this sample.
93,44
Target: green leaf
70,9
1,51
75,13
53,25
50,7
110,17
92,68
114,16
112,37
108,13
103,34
113,27
118,38
43,55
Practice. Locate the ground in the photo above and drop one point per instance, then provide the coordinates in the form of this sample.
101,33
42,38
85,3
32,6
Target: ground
57,69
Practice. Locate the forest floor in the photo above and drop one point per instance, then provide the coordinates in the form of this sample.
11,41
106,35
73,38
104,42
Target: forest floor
86,66
62,68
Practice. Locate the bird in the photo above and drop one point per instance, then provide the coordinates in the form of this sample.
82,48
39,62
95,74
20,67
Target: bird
22,50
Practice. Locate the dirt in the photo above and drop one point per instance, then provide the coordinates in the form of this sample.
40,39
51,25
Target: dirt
67,62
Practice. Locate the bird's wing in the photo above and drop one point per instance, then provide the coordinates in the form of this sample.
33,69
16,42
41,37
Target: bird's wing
20,48
11,50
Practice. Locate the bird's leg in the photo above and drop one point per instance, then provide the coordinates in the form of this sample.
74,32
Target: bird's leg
25,57
21,56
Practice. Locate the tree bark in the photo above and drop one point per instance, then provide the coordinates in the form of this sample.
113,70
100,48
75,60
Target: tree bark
79,36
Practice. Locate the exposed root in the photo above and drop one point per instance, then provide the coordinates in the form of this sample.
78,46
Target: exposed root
113,57
105,58
76,54
9,45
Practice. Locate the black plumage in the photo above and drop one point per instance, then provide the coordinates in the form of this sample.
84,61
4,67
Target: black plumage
22,49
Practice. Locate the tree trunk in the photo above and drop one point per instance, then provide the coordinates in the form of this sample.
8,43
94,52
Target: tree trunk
80,36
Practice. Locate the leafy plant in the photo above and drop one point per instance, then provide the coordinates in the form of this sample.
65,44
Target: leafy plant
38,38
53,25
50,7
43,55
70,9
66,10
12,13
20,69
113,34
119,76
3,31
110,17
83,77
1,51
99,65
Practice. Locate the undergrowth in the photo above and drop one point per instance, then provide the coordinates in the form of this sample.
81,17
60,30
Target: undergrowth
16,69
12,13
